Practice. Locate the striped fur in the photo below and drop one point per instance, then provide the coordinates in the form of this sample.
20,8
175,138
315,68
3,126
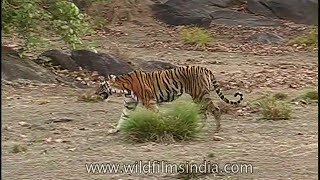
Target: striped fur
151,88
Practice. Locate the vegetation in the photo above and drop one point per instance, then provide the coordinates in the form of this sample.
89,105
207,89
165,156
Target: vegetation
280,96
99,22
311,94
196,35
34,20
87,97
211,155
273,109
17,149
311,39
179,121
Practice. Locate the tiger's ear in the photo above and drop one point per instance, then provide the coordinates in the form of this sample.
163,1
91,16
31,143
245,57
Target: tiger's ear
110,76
101,78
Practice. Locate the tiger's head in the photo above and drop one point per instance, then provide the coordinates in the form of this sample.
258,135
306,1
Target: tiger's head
111,85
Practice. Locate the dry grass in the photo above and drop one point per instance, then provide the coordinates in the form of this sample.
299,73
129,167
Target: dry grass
272,109
280,96
90,97
311,94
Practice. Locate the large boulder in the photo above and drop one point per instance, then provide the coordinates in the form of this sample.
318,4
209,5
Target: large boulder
155,65
184,12
57,58
299,11
15,68
103,63
225,3
204,12
233,18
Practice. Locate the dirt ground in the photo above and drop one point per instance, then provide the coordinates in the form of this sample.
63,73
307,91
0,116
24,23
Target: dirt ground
59,134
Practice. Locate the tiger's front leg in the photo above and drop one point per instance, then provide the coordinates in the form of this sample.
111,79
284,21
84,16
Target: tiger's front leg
152,105
130,105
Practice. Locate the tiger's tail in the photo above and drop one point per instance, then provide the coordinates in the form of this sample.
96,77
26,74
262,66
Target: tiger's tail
222,97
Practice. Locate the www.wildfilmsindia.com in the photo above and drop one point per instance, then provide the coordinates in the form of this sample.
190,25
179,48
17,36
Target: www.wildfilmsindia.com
154,167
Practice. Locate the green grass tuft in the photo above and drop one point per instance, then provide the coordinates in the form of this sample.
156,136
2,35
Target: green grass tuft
176,122
311,39
280,96
196,35
211,155
273,109
311,94
18,148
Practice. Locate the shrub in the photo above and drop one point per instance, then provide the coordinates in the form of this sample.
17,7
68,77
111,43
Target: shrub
178,121
38,19
280,96
311,39
196,35
311,94
18,148
275,110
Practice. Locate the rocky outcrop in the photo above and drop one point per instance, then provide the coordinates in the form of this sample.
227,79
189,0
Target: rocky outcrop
182,12
15,68
155,65
204,12
104,64
233,18
299,11
57,58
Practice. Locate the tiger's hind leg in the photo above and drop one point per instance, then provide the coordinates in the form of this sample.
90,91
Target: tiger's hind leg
214,109
204,114
130,105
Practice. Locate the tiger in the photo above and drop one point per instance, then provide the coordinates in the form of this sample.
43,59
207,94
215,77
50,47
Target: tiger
151,88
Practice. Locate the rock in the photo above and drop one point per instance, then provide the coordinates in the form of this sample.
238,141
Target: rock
61,120
229,17
60,59
181,12
204,12
217,138
23,124
155,65
225,3
266,38
299,11
15,68
82,4
103,63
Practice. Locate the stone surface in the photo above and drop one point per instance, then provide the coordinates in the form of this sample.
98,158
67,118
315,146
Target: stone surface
155,65
233,18
299,11
103,63
181,12
204,12
61,59
16,68
266,38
